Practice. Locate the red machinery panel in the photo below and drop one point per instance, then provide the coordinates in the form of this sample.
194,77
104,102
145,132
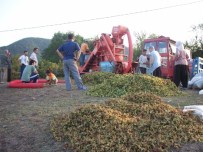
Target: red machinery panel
110,54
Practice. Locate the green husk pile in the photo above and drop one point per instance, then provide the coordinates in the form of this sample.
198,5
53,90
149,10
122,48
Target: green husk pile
116,85
95,78
128,124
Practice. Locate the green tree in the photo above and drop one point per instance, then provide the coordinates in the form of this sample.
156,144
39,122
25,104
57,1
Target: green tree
44,65
196,44
199,36
49,54
152,36
57,40
79,39
139,44
15,67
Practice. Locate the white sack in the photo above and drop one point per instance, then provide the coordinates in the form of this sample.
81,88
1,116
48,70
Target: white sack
198,84
196,109
201,92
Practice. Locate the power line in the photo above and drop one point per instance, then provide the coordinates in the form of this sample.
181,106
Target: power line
101,18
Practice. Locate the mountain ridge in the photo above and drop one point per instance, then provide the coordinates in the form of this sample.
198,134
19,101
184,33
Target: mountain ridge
29,43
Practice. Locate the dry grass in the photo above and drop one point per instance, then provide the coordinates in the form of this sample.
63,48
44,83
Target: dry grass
191,97
26,115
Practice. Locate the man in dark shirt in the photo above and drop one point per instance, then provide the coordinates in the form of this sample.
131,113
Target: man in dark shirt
70,53
9,63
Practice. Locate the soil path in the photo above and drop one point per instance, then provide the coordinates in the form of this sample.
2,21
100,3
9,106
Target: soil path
25,116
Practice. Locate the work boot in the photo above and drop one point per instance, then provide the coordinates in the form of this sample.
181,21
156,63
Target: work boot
83,88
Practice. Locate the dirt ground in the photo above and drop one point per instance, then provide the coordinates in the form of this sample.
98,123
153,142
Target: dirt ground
25,116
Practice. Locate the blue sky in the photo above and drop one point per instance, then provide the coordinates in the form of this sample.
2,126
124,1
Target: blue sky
175,22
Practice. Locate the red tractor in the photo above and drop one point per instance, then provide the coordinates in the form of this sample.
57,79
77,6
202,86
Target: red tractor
167,49
110,54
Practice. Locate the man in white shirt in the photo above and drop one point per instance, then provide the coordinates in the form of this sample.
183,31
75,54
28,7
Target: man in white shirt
143,62
155,62
24,60
33,56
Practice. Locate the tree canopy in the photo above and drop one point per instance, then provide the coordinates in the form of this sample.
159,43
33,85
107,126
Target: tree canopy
50,53
196,44
58,39
139,42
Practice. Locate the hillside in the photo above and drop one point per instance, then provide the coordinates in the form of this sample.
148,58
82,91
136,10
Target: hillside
26,44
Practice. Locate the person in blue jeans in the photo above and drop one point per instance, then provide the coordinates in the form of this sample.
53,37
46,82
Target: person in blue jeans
70,53
30,74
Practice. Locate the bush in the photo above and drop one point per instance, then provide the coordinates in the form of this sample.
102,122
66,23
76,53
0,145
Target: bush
15,68
45,65
57,68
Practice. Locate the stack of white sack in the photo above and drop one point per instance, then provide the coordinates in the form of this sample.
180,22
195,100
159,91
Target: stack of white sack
196,82
201,92
196,109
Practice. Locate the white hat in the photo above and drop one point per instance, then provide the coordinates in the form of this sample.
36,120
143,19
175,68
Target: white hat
179,45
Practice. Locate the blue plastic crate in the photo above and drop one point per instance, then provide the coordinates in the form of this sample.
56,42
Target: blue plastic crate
197,66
